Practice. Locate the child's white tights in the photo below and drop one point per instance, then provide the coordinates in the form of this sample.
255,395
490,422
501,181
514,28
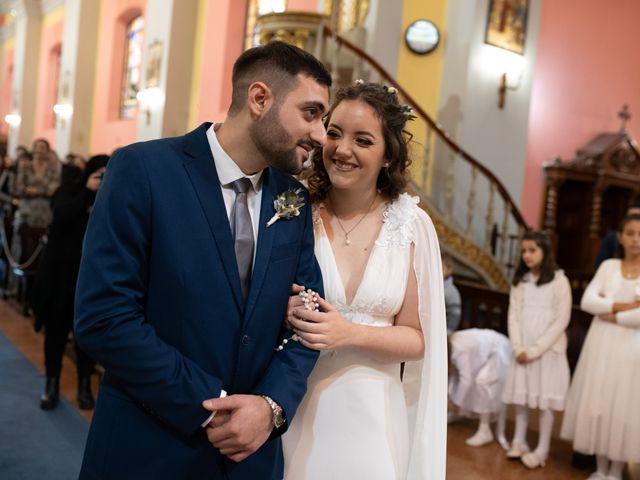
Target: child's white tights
522,419
613,470
546,429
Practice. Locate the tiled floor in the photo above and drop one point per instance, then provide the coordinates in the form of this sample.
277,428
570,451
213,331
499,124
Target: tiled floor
463,462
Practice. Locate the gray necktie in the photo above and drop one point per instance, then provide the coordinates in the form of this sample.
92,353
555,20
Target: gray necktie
242,232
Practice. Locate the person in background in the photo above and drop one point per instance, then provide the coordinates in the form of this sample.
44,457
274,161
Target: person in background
539,313
36,182
56,280
602,417
452,300
480,360
72,168
610,245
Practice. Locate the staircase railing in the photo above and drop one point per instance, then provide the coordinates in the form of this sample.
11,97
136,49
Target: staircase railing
467,197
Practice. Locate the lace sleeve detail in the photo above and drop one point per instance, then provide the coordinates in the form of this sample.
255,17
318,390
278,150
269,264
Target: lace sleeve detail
399,219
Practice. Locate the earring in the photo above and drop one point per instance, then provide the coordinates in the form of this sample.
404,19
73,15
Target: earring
386,165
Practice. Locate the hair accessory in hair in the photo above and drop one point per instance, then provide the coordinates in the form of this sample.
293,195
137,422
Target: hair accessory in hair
391,90
408,110
359,81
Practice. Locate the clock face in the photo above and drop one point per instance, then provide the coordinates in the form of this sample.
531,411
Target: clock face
422,37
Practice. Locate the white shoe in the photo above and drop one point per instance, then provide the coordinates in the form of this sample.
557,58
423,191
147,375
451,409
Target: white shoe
597,476
480,438
517,450
532,460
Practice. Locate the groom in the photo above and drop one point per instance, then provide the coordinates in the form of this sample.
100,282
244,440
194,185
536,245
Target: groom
183,287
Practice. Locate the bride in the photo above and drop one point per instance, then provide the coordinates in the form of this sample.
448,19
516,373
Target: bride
384,305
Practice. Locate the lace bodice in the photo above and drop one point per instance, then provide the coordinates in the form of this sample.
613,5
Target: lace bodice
380,295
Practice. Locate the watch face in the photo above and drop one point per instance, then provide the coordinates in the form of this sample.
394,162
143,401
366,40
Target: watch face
278,420
422,37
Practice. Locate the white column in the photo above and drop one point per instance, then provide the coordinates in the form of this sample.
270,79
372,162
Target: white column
28,27
77,76
169,40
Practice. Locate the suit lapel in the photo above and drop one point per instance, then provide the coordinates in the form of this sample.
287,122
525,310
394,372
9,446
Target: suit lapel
203,175
265,239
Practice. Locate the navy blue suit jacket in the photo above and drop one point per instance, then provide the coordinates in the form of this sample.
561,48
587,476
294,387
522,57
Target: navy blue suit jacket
159,304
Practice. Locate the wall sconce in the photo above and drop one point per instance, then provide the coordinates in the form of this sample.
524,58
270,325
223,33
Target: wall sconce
13,119
63,112
509,80
149,99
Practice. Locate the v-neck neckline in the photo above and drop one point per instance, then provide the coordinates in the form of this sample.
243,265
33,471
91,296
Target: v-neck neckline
335,263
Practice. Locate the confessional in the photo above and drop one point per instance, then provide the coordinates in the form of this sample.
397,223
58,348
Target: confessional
587,196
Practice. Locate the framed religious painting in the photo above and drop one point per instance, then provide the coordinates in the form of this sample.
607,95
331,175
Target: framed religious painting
154,62
507,24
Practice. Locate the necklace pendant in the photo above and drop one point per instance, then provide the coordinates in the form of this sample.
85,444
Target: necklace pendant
347,242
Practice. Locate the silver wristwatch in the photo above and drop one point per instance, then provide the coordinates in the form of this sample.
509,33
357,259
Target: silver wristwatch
277,414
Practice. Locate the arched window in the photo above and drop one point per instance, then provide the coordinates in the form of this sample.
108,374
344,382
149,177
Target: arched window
132,72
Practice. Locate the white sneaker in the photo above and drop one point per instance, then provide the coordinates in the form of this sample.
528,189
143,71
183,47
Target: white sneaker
517,450
480,438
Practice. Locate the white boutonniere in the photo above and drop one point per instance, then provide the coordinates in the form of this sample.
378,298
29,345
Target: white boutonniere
287,205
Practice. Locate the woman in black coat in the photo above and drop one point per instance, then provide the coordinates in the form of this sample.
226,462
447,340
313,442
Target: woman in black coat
56,280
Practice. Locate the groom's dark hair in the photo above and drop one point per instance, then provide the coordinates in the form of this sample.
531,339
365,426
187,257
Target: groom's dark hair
276,64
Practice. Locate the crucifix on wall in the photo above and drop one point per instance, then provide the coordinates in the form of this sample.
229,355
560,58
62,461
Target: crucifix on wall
625,116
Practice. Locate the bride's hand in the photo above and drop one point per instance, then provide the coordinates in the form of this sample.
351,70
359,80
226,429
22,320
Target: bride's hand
325,330
294,302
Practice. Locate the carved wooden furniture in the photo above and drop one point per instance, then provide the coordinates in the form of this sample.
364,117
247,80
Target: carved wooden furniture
587,196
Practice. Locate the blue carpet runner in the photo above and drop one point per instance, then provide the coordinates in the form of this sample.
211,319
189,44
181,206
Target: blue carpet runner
35,444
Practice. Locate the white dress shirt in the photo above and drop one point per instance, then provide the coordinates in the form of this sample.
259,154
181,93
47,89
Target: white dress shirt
229,172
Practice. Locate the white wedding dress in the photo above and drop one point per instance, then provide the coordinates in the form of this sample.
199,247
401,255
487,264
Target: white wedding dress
358,420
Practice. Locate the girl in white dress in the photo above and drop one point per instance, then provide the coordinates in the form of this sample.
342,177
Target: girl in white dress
603,413
539,313
384,305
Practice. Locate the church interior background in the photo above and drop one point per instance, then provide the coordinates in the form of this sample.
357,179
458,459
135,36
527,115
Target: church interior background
512,98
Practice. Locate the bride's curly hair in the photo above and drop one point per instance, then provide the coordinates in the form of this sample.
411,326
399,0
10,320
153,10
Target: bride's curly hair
393,117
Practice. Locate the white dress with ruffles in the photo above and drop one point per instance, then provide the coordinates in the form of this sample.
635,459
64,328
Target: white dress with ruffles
538,318
358,420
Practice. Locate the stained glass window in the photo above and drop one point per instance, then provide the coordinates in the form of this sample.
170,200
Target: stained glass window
132,75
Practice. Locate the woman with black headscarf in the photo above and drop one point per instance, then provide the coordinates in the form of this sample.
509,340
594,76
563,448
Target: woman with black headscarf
56,280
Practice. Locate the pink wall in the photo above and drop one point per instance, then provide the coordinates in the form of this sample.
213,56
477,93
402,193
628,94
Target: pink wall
108,130
223,41
50,45
587,67
6,77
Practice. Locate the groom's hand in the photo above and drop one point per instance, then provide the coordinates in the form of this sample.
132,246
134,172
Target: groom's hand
243,423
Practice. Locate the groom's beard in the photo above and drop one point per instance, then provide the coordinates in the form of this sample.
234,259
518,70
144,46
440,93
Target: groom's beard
274,143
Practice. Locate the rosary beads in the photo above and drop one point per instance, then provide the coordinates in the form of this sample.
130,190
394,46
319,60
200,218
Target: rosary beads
309,302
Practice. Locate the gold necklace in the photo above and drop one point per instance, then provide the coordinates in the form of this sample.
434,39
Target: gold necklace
346,232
